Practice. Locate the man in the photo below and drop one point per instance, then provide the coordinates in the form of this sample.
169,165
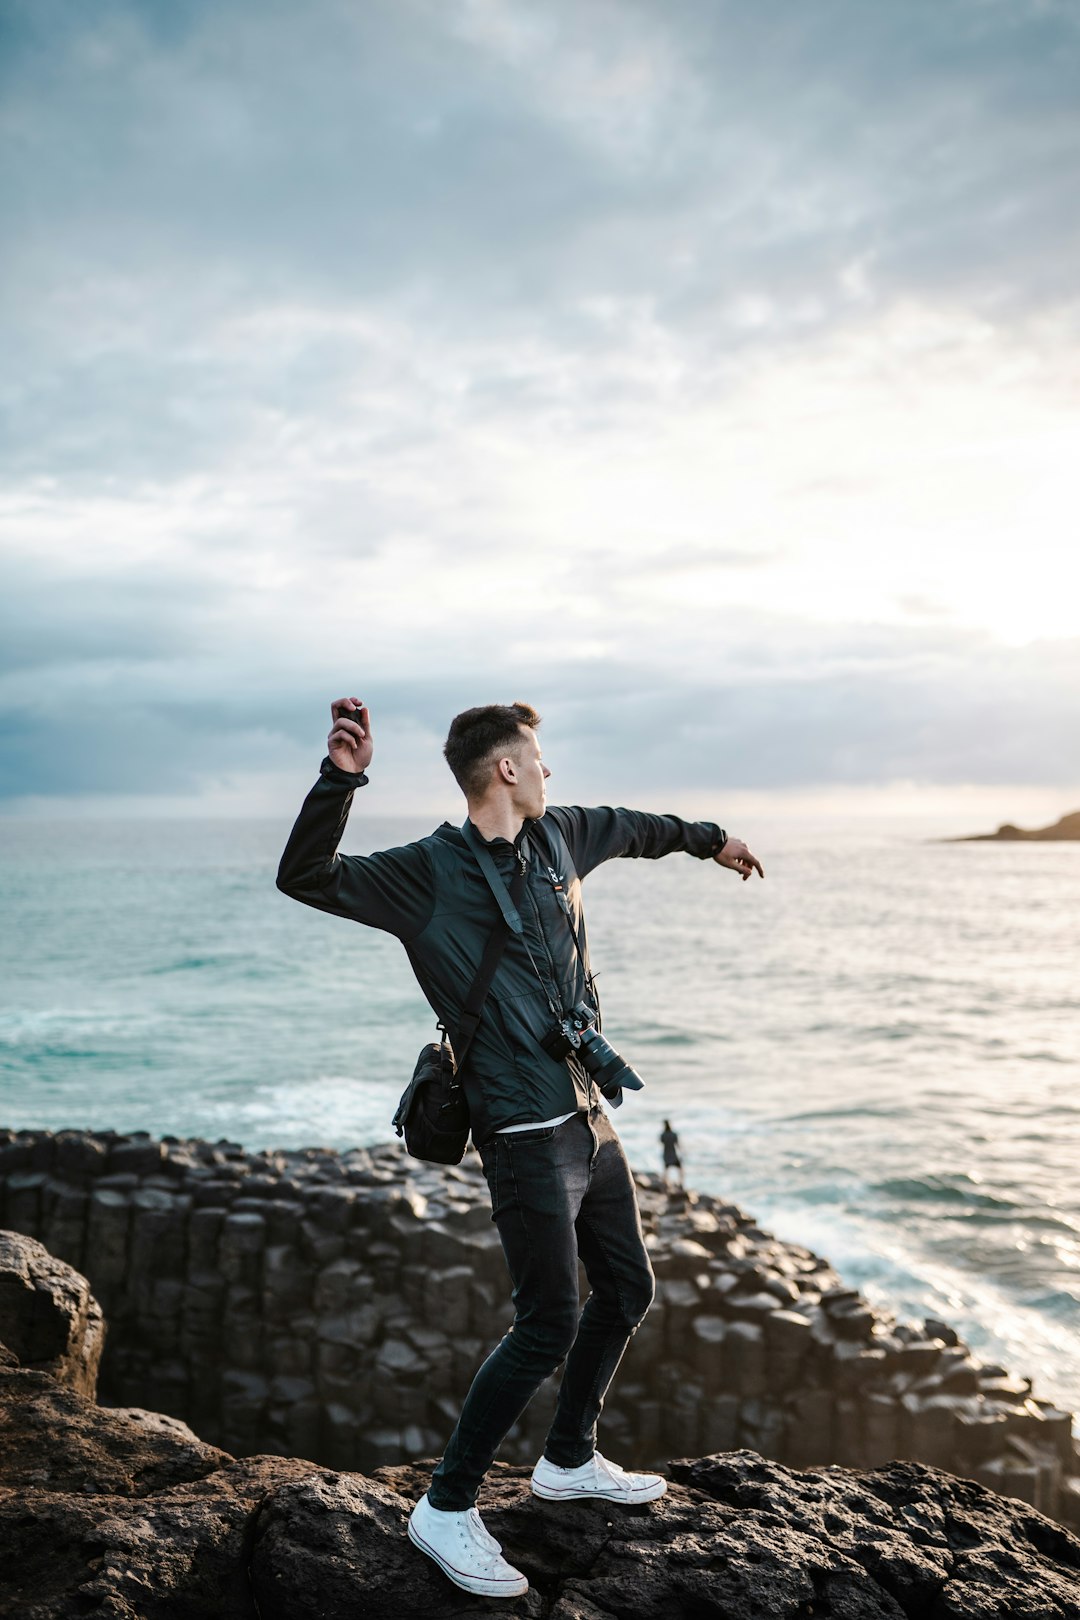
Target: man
559,1181
669,1141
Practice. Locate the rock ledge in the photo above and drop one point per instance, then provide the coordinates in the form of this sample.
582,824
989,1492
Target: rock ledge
128,1514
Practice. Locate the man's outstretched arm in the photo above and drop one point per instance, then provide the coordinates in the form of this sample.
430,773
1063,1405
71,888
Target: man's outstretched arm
604,834
393,889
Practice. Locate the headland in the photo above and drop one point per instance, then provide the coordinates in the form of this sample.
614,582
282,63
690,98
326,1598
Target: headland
1067,830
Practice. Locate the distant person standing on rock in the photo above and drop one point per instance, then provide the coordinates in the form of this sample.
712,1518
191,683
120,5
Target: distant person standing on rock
560,1186
670,1141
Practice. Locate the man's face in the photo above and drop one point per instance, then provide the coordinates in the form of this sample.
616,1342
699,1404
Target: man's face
530,797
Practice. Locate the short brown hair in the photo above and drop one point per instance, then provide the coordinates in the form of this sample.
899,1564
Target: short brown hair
478,736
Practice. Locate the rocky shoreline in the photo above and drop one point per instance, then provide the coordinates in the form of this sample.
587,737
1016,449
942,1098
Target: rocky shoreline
126,1512
334,1306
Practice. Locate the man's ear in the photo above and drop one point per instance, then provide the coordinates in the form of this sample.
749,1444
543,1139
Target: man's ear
508,769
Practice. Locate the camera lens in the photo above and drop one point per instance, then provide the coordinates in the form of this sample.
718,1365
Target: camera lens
608,1069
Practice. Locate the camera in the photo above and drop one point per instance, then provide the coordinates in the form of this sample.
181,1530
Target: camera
577,1033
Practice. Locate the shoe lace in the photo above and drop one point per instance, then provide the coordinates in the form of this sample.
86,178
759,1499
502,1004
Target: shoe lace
482,1534
617,1476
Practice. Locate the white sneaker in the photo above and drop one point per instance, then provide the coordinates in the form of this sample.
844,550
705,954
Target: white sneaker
465,1550
598,1478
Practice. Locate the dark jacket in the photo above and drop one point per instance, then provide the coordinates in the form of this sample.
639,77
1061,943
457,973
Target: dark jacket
433,896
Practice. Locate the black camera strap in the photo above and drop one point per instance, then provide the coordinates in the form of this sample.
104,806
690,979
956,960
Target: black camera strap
496,881
558,884
489,962
508,901
564,906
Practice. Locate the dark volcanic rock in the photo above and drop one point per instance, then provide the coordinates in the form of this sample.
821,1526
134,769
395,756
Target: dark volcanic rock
50,1320
141,1522
120,1512
175,1554
335,1544
335,1306
126,1513
735,1538
936,1547
50,1434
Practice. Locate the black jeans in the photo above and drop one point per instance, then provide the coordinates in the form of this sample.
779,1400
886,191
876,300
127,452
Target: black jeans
557,1193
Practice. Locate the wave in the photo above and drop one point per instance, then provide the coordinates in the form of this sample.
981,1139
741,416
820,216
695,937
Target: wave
192,964
676,1037
863,1111
61,1032
959,1189
1062,1303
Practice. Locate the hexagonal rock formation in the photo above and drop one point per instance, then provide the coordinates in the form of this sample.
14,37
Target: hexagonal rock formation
335,1305
129,1514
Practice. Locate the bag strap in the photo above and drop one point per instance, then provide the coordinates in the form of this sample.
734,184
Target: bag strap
485,973
507,905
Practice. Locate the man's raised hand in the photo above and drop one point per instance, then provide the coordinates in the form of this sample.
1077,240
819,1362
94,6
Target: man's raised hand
349,741
736,855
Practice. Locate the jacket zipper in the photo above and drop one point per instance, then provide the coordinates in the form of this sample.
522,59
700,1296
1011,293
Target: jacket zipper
553,985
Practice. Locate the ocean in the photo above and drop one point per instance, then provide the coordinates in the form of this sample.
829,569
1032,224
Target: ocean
875,1052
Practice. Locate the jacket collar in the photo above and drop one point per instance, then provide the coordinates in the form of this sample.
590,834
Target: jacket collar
454,835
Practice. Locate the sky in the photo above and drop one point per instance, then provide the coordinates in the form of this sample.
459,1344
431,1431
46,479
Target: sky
704,374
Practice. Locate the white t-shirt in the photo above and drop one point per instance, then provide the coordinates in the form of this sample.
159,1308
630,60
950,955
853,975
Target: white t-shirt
535,1124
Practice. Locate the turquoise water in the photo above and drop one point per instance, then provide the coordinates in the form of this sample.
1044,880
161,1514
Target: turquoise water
875,1052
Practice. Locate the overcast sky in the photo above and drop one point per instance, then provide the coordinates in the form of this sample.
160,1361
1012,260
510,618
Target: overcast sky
705,374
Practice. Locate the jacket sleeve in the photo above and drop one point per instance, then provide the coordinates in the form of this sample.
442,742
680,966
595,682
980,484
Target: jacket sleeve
601,834
393,890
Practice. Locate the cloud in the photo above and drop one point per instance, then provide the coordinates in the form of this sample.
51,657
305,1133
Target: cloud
780,705
705,360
